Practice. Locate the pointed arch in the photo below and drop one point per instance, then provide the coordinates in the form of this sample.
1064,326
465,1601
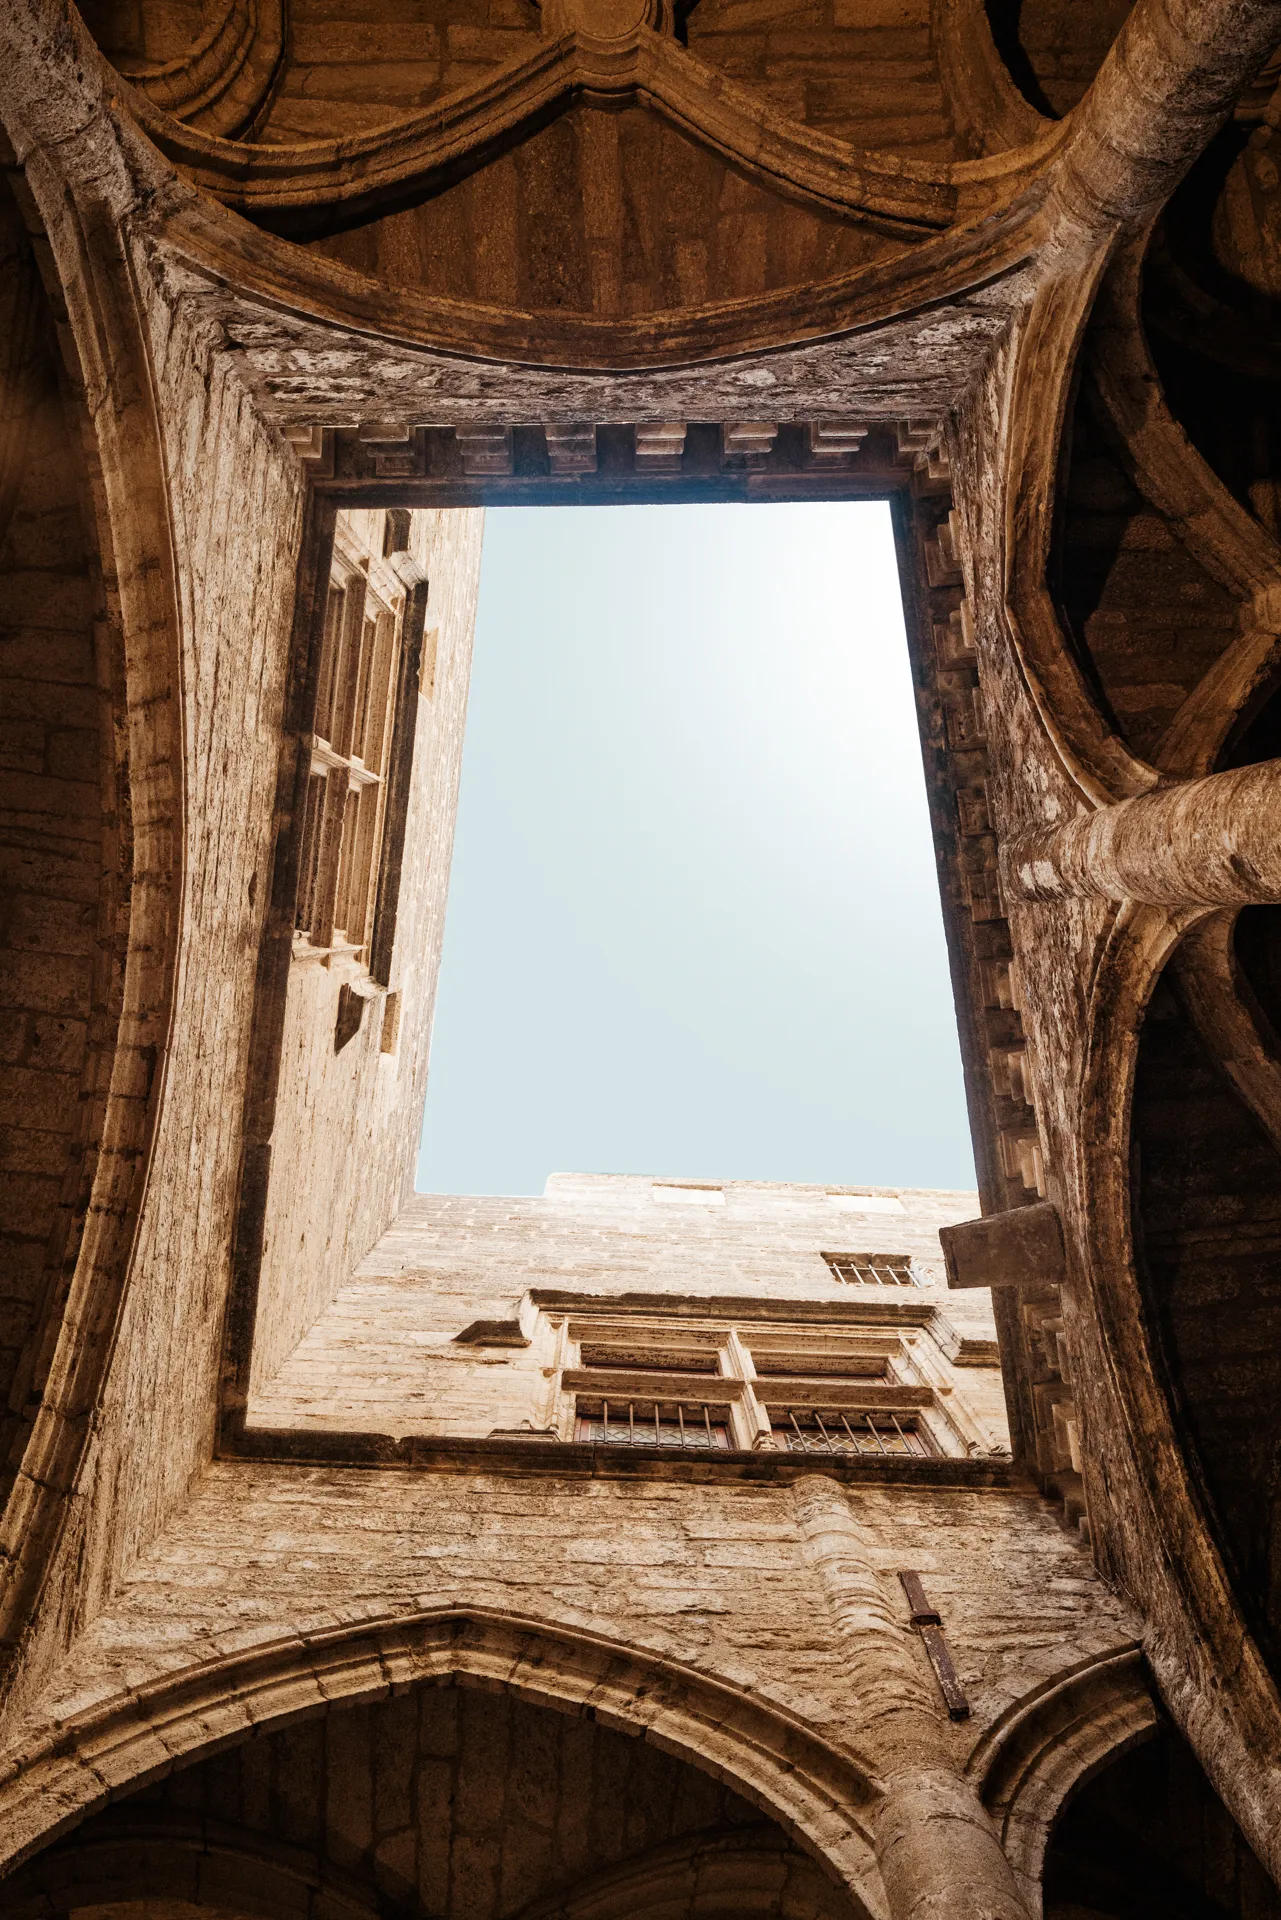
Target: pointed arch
1047,1747
820,1794
106,377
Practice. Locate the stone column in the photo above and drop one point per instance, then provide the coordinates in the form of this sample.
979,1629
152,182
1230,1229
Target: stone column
1202,843
938,1852
1158,98
936,1848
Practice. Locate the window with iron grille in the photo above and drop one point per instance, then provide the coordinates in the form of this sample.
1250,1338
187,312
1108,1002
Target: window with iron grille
874,1269
842,1430
652,1423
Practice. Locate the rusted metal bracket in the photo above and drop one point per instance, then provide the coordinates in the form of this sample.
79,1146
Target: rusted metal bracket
929,1625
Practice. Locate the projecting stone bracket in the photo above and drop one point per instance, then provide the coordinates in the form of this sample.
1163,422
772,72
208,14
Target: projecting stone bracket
492,1333
313,445
353,997
1021,1248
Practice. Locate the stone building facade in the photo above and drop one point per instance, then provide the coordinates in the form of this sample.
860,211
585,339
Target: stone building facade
649,1546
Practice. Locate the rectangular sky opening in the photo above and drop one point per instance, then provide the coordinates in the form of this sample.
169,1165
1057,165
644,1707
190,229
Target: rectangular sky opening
693,925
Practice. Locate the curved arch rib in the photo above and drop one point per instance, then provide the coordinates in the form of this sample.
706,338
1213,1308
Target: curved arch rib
1227,541
302,282
1030,1763
986,105
1208,1667
760,1749
1162,90
1229,1019
425,150
1164,1555
1088,748
222,83
1167,468
747,1868
106,342
149,1857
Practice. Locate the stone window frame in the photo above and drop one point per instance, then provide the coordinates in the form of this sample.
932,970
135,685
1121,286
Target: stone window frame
365,681
678,1357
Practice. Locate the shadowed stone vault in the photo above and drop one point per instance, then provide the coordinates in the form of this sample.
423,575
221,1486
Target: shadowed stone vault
647,1545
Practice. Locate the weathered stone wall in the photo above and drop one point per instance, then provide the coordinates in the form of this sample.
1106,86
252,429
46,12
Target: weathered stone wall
682,1562
57,808
979,299
703,1566
864,70
471,1804
347,73
387,1355
232,479
1087,966
347,1122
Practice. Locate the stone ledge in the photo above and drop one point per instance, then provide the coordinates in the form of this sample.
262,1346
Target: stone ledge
910,1307
536,1456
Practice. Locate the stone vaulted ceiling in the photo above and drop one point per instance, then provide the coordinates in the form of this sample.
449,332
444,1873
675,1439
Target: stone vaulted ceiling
1014,266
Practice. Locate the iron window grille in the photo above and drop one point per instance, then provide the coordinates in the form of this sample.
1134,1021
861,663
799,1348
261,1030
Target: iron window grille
653,1423
832,1430
874,1269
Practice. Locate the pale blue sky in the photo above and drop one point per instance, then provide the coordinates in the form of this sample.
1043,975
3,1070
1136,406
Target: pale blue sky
693,920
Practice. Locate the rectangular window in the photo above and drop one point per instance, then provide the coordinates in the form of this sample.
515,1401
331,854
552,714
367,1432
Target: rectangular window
652,1423
833,1430
873,1269
346,807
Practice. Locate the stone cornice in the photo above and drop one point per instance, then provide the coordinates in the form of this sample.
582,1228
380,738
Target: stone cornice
537,1457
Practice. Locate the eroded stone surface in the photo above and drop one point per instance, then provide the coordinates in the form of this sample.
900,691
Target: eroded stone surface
818,251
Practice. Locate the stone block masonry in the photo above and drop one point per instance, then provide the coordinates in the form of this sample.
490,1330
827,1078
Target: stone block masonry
551,1564
347,1120
58,845
449,1326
